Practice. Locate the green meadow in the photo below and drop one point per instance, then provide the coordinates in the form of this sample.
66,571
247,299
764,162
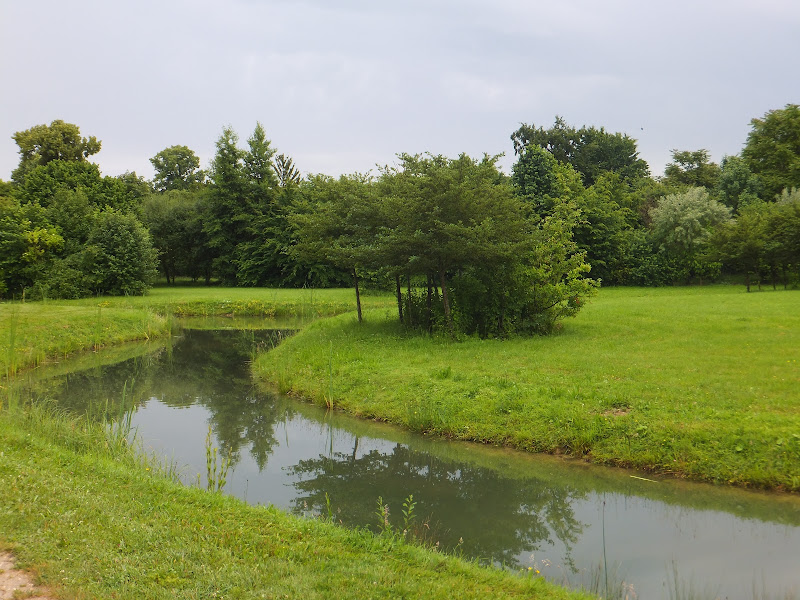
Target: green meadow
700,382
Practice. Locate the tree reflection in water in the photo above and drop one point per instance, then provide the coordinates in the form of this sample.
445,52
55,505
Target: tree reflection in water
206,368
499,519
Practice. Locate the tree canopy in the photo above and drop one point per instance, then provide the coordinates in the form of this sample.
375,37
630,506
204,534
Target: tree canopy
176,168
772,150
42,144
590,151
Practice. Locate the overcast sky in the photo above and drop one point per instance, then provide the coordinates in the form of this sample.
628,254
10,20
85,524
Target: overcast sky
343,86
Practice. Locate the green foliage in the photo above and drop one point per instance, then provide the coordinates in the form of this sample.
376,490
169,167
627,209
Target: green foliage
764,239
43,144
227,212
174,221
124,261
285,171
692,169
737,186
28,243
457,226
603,228
534,178
44,183
176,168
772,150
681,225
589,150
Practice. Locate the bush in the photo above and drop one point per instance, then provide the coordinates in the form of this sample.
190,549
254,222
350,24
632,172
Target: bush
125,262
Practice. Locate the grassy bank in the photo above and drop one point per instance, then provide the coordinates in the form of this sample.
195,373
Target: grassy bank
303,304
32,333
95,520
699,382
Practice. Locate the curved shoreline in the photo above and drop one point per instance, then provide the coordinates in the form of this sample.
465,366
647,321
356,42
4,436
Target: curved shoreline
686,416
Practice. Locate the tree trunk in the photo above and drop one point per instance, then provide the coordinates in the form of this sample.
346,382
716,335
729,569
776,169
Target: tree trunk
445,300
430,304
358,294
409,312
747,281
399,297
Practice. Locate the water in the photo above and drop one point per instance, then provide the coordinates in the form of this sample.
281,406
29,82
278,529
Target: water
563,518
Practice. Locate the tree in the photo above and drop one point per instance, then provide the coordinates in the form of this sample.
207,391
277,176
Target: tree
772,150
589,150
499,268
681,225
340,227
740,243
42,144
258,159
535,179
124,261
228,210
176,168
285,170
28,243
602,227
692,169
737,187
173,221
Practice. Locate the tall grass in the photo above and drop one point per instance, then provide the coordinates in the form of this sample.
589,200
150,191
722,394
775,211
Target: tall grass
37,332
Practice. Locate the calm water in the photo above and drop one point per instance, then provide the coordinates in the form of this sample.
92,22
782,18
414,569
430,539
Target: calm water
561,517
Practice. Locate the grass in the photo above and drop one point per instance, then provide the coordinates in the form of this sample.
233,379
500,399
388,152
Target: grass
95,519
702,383
33,333
305,304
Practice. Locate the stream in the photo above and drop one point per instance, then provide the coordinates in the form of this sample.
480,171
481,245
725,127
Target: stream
577,524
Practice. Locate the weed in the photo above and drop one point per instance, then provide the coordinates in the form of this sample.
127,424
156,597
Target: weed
216,466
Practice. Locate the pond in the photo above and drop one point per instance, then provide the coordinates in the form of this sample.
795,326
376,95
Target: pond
655,537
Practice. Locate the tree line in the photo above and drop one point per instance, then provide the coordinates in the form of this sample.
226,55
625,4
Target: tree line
464,246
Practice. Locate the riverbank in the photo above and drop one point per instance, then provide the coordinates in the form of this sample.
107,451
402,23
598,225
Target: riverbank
699,383
93,518
34,332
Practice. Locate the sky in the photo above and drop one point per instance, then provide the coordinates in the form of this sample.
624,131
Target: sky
344,86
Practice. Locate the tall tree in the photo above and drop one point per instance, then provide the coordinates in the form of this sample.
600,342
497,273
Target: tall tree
591,151
285,170
737,186
692,169
42,144
772,150
176,168
340,226
229,210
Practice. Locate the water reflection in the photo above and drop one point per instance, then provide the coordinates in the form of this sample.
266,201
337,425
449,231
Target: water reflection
505,506
498,518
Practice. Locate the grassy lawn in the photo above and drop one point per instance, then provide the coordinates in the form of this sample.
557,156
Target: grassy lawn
94,520
699,382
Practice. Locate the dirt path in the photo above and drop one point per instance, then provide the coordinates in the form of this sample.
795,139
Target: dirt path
17,584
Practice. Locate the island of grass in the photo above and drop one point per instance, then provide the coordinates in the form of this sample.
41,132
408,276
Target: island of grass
700,382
